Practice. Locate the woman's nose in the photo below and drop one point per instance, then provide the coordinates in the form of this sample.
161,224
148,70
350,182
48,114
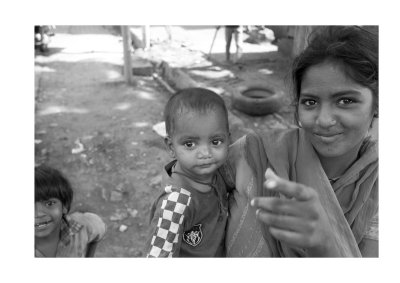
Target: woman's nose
326,117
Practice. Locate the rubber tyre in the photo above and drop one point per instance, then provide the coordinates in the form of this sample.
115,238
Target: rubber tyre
266,104
44,48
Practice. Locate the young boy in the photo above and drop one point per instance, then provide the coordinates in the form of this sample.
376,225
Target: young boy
190,215
57,233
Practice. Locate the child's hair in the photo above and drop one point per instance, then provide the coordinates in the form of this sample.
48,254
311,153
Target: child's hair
198,100
50,183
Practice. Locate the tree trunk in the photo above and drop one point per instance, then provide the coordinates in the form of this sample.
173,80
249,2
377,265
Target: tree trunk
300,40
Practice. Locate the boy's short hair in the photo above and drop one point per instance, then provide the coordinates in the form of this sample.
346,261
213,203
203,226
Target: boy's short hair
199,100
50,183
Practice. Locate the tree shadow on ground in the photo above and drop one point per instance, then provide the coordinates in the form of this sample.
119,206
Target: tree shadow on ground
50,51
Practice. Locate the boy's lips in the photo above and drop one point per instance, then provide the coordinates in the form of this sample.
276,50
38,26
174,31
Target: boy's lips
43,224
205,165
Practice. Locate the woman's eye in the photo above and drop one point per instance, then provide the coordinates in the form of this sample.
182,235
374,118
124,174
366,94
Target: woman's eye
345,101
189,144
308,102
216,142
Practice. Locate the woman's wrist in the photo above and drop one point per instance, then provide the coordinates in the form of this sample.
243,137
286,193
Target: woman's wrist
324,249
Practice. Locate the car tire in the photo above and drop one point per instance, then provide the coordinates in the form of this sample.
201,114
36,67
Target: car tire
257,99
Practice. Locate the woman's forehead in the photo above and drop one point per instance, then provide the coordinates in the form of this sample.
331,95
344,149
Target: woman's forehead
327,76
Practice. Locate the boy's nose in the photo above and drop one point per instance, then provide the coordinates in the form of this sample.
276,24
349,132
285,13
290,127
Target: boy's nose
204,152
39,210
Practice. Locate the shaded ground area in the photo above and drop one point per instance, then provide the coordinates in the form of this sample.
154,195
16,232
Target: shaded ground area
98,131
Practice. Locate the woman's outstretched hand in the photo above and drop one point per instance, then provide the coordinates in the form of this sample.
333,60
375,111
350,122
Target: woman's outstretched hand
298,220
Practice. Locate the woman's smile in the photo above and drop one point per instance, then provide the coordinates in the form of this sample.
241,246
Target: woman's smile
328,138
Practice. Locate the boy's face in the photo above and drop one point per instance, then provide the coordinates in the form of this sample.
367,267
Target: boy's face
48,215
200,143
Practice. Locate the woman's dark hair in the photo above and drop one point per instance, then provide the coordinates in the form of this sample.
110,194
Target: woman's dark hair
198,100
50,183
354,48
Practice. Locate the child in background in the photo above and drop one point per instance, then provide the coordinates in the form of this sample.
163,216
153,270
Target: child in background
190,215
57,233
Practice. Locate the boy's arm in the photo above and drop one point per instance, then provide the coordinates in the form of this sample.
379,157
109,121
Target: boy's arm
168,223
91,249
95,227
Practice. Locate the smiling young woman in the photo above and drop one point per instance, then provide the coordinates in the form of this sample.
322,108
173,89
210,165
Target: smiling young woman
336,114
313,191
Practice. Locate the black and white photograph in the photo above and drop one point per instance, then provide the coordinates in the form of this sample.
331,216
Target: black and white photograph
235,145
206,141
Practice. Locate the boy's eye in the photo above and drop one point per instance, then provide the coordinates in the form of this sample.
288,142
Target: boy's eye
49,203
189,144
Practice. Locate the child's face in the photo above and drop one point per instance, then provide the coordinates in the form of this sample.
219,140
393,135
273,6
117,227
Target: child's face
200,143
48,215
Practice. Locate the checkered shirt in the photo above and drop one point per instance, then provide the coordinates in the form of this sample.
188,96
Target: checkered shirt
68,229
166,236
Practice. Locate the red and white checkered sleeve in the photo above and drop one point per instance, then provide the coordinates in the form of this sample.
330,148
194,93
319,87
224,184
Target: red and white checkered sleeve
165,241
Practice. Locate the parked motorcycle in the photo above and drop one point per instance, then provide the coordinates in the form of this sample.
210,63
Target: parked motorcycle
43,36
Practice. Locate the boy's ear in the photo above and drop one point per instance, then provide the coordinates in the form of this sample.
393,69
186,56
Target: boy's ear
169,146
64,210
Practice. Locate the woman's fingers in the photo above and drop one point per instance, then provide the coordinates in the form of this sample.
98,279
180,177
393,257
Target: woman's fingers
291,237
298,218
281,206
283,222
287,188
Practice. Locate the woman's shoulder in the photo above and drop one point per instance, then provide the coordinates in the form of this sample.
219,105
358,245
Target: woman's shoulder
369,146
278,135
274,139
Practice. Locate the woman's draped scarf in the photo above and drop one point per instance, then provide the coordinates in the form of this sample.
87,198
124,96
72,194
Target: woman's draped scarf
350,204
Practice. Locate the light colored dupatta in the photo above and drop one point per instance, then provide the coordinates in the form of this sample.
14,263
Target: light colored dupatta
350,204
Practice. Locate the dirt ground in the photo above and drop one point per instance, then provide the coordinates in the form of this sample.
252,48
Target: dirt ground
98,130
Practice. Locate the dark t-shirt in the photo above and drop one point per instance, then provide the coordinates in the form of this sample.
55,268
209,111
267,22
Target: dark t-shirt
186,222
